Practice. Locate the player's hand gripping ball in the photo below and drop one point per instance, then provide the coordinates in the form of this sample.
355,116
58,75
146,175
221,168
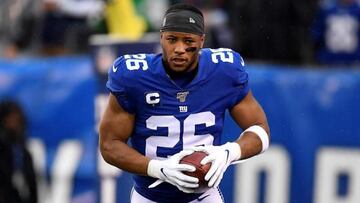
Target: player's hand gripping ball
194,159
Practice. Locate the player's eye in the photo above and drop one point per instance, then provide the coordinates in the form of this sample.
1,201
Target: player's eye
189,41
171,40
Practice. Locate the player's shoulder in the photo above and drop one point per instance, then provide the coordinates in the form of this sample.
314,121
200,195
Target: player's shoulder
128,65
223,59
223,56
224,64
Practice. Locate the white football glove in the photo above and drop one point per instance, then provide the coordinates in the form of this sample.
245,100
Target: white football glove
220,157
169,170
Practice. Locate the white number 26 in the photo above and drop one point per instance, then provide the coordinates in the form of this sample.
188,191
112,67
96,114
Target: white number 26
189,137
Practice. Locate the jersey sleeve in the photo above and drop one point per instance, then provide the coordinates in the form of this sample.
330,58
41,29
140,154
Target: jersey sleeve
240,80
117,84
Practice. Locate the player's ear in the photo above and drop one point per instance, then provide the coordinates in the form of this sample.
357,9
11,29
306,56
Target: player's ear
202,41
161,37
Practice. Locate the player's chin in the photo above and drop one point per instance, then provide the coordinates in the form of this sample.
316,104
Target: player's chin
180,68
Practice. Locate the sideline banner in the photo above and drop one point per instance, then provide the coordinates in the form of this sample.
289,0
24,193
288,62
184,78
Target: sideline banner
315,138
57,95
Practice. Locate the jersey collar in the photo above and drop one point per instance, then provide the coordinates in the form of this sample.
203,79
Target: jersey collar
203,69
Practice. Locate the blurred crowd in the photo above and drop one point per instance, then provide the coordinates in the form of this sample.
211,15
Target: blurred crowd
277,31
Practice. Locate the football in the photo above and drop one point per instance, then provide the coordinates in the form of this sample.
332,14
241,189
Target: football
194,159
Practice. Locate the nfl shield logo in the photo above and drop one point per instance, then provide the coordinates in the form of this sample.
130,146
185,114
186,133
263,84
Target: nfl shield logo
181,96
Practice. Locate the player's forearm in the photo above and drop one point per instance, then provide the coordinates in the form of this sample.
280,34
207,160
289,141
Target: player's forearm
251,143
120,155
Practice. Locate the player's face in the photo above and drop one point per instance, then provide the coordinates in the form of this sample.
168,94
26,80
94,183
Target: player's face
181,50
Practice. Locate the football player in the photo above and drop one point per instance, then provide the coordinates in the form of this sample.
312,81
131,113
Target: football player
171,104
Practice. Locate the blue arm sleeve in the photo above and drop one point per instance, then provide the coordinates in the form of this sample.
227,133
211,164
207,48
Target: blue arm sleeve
117,84
240,81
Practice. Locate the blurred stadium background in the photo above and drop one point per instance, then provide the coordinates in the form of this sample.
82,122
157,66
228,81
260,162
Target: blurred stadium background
303,58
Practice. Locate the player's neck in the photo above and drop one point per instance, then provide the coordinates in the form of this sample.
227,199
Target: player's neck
177,75
183,78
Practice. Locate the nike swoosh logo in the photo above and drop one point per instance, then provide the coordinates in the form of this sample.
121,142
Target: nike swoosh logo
114,68
202,198
162,171
227,154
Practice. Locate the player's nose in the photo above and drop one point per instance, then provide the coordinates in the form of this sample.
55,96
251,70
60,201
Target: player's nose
180,48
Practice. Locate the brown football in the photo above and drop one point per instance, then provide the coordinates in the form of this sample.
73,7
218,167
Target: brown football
194,159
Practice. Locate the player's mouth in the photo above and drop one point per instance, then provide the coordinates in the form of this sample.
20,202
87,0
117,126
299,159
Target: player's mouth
179,61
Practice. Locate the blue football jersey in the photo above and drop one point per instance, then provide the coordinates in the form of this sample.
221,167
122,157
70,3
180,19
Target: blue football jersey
170,118
336,29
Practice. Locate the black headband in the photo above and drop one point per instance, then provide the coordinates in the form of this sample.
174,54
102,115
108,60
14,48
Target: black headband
183,21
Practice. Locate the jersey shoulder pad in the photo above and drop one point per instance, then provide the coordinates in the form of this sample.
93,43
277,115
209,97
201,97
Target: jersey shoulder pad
116,74
129,64
231,64
230,67
129,67
225,59
123,77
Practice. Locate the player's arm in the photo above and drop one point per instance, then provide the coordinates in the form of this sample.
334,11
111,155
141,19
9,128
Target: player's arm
249,115
115,129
